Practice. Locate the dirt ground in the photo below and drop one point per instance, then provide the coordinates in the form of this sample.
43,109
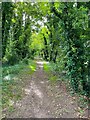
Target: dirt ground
45,100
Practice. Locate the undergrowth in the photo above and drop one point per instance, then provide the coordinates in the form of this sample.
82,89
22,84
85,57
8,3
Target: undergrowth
56,73
12,82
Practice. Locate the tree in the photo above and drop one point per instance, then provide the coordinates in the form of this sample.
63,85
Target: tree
7,12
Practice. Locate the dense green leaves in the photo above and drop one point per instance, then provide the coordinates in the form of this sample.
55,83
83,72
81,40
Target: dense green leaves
58,32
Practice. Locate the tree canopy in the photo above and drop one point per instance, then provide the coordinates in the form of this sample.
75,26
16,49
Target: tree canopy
56,31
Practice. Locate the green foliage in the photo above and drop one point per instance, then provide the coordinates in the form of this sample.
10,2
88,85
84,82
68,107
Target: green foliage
53,78
50,69
8,88
7,13
32,66
9,85
12,69
12,82
47,67
57,32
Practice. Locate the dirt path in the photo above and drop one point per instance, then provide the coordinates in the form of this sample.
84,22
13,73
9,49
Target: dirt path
44,100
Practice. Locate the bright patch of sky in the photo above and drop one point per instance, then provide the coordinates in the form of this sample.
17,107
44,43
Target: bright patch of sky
39,22
75,4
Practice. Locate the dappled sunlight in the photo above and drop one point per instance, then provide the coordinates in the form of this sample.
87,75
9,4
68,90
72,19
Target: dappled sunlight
41,66
11,102
27,91
18,104
36,90
32,68
10,77
33,89
38,93
41,63
45,58
42,82
46,62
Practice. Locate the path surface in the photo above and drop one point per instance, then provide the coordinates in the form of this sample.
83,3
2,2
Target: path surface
44,100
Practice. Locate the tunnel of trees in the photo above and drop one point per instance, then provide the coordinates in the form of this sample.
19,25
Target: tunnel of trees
57,32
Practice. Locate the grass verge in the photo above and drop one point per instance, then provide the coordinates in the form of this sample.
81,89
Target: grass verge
55,74
13,82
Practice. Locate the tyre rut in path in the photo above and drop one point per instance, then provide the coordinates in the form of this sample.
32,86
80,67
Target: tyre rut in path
43,100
